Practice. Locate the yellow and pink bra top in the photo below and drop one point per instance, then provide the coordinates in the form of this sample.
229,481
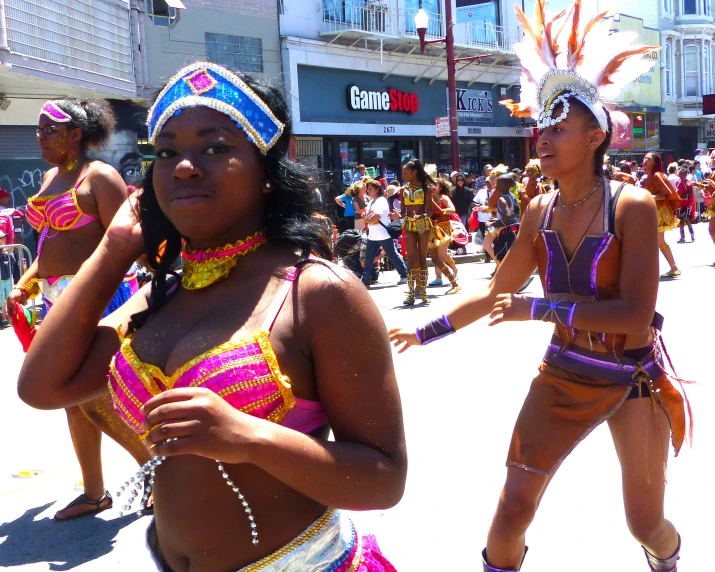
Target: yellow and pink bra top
59,212
244,372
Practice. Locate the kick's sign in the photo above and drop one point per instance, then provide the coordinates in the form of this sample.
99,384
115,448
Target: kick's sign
391,100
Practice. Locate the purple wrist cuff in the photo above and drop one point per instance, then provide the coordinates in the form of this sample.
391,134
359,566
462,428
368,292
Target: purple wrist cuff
434,330
557,312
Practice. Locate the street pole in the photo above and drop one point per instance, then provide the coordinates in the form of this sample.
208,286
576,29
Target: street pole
452,87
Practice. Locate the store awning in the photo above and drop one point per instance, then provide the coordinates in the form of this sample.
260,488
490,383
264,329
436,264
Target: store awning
641,108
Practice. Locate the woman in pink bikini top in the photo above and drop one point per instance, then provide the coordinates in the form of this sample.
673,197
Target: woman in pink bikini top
235,372
76,203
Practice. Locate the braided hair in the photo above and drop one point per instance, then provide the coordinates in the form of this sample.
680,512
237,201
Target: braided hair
422,176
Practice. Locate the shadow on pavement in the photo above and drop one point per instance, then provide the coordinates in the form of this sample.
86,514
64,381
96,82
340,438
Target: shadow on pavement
62,546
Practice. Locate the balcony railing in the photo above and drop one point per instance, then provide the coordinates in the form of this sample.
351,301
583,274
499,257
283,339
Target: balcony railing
89,35
486,36
379,18
372,18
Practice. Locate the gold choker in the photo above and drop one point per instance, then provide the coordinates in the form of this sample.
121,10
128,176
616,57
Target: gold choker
201,268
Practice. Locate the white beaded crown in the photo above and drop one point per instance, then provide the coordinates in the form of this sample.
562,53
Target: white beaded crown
563,58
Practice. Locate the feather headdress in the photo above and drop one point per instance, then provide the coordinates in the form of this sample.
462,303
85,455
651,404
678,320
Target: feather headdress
565,57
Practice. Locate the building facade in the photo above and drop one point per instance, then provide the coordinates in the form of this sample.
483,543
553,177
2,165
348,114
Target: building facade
360,91
51,49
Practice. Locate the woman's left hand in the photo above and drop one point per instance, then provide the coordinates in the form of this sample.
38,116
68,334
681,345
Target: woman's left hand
201,422
511,308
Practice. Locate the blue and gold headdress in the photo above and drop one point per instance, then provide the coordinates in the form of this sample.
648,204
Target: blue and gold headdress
205,84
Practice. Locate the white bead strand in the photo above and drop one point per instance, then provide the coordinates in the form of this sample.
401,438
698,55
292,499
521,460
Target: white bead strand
244,502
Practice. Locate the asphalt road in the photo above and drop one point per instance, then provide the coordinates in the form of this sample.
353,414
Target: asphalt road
460,403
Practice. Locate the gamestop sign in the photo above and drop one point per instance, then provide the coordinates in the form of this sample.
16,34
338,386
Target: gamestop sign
391,100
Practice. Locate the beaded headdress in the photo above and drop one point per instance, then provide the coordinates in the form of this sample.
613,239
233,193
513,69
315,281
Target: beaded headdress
53,111
204,84
565,58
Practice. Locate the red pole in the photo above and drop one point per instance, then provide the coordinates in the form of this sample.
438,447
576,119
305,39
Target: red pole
452,87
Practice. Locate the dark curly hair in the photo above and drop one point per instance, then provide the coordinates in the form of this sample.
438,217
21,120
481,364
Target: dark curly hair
290,208
445,186
94,117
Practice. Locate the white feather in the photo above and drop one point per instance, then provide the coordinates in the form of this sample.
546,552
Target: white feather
530,60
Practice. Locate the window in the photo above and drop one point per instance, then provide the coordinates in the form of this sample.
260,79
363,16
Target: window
690,6
161,13
669,68
235,52
692,67
707,88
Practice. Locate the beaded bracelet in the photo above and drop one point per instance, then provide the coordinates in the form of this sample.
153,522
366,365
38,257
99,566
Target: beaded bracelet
31,288
434,330
557,312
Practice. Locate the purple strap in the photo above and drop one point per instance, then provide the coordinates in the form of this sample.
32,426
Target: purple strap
435,330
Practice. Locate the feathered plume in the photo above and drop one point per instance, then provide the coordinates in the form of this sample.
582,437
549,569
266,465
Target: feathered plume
605,60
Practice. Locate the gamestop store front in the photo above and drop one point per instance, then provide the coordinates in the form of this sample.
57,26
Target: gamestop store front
354,118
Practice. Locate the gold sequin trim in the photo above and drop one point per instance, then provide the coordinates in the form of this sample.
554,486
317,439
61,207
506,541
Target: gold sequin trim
236,387
120,382
139,367
137,426
260,403
282,381
313,531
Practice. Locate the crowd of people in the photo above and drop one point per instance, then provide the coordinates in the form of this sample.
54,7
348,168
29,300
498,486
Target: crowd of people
229,408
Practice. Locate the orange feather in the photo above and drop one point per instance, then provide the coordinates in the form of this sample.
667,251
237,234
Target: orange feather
574,44
515,108
614,65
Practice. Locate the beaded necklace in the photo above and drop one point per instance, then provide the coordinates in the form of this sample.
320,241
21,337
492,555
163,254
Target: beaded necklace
201,268
411,189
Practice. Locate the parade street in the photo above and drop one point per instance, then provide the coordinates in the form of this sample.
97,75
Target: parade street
460,398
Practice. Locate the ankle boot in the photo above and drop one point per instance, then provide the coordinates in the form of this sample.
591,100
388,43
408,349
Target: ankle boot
663,564
489,568
411,278
422,286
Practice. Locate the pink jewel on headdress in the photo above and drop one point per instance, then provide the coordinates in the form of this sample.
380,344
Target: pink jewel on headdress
52,110
201,81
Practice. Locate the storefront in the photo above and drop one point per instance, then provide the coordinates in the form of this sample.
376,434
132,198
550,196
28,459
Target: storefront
638,128
346,118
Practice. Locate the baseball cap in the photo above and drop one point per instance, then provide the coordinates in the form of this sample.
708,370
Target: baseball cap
487,167
2,234
4,193
454,174
517,171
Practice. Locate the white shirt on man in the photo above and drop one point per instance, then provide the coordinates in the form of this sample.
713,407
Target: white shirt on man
377,231
482,198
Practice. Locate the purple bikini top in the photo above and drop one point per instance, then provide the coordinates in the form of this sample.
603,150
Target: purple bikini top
243,371
593,270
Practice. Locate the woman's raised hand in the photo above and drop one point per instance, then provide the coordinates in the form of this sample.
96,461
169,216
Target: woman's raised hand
125,229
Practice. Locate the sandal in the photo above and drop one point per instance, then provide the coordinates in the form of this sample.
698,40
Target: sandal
97,506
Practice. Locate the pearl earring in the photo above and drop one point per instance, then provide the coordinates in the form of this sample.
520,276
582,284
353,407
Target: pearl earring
268,185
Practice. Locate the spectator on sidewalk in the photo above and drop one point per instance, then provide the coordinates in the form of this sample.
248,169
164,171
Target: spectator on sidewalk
360,172
377,219
345,201
462,197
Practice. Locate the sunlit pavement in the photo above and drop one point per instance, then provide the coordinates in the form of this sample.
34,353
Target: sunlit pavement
460,399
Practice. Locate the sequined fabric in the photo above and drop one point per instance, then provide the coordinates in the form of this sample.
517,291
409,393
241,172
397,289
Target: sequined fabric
243,371
330,544
59,212
205,84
